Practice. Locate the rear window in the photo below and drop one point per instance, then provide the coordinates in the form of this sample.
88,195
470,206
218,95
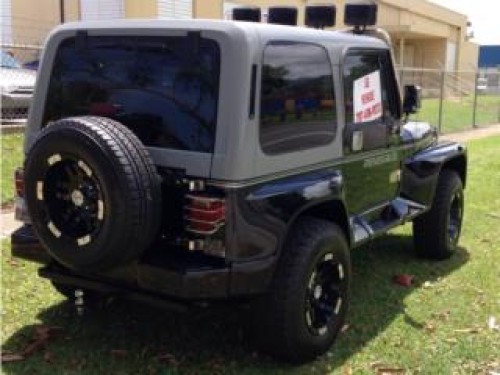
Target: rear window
165,89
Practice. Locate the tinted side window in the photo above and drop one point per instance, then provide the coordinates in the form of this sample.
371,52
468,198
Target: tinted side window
360,68
368,80
297,109
391,96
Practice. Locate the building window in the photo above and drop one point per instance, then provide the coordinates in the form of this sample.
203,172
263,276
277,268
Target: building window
101,9
297,109
180,9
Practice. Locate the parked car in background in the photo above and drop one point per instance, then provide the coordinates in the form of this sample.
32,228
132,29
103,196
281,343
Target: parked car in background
17,86
482,84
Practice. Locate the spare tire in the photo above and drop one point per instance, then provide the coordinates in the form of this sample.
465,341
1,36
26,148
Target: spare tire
93,193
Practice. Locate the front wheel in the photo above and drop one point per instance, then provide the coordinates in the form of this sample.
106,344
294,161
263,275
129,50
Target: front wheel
306,306
436,233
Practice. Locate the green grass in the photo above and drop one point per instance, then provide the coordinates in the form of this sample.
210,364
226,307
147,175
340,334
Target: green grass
458,112
12,157
421,329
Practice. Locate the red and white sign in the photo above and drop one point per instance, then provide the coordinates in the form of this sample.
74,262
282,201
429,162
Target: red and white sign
367,98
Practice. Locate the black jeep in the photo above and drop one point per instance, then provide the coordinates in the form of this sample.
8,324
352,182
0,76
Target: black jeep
194,161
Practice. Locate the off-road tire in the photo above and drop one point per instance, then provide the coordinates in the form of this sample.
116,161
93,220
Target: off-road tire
279,323
431,234
119,180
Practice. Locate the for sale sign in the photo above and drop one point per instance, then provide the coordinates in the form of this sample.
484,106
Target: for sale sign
367,98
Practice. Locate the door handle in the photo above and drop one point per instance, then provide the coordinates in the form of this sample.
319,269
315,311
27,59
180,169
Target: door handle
357,140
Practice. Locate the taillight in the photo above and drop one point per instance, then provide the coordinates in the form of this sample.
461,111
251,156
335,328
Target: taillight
205,215
19,182
21,212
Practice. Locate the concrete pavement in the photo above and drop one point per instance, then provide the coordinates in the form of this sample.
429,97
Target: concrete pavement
468,135
8,224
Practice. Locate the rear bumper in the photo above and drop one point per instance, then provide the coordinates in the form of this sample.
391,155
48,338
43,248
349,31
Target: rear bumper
160,276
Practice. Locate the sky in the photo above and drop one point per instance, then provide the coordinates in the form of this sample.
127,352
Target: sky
484,17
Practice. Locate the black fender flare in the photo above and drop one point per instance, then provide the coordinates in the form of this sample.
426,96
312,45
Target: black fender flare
331,207
421,171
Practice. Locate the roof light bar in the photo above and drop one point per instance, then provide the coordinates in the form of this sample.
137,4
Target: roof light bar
320,16
251,14
360,14
282,15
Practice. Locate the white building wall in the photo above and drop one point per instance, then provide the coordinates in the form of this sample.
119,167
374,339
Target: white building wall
6,20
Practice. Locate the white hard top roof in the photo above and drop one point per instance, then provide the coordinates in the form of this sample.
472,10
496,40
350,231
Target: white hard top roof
265,31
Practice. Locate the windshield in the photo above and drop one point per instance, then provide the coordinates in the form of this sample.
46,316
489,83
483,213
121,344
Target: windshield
165,89
7,61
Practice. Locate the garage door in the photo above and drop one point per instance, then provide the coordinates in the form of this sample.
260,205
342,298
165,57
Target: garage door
101,9
182,9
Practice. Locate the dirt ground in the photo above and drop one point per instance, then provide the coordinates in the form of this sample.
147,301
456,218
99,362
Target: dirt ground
8,224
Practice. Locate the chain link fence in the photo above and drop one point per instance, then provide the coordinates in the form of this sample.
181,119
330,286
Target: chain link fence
452,101
17,81
456,100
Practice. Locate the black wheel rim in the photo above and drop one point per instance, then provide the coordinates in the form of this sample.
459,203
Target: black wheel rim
455,217
73,199
324,295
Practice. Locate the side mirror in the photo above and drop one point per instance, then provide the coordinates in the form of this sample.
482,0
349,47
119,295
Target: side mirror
412,99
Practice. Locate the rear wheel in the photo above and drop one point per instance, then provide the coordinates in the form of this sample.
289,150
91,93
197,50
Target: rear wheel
307,304
436,233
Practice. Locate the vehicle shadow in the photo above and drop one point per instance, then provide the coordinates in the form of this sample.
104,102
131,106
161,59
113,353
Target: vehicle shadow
125,337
